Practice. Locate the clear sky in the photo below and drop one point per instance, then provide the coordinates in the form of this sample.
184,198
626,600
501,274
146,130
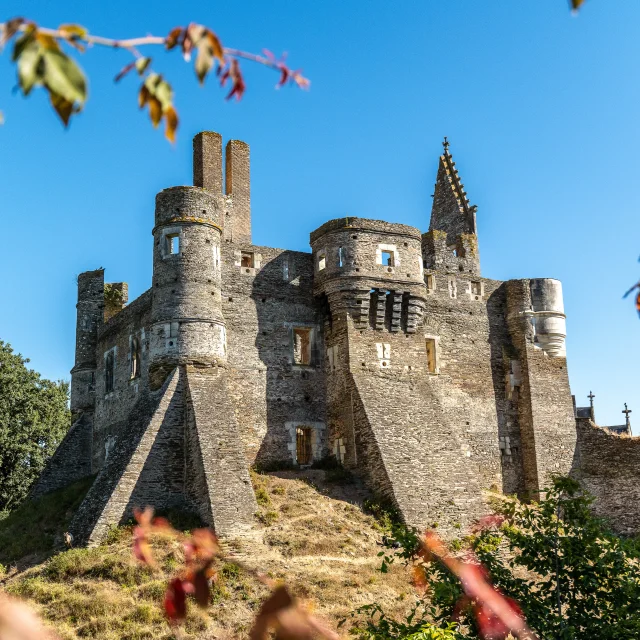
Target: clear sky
541,108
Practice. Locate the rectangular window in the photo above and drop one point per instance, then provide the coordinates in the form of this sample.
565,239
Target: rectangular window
430,282
216,256
246,260
303,445
135,357
430,344
109,371
173,244
387,258
476,288
302,345
340,260
322,261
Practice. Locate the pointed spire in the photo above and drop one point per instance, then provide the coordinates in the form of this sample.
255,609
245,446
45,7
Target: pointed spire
451,210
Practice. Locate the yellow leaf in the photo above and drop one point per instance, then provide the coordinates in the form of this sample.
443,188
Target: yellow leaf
63,107
216,47
73,30
143,96
48,42
171,124
155,110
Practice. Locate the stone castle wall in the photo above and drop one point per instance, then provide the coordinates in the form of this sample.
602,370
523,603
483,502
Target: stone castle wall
383,347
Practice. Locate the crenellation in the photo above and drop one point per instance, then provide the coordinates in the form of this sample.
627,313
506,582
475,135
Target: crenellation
383,346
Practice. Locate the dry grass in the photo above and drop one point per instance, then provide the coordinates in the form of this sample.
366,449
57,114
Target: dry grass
314,535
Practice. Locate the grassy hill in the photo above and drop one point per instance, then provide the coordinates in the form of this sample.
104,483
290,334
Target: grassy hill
312,532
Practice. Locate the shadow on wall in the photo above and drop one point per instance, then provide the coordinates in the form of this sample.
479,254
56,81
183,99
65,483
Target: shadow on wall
294,393
505,374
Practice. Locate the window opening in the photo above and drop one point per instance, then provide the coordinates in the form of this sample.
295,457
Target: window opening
173,243
302,346
387,258
135,357
109,371
303,445
431,355
340,261
322,261
476,288
246,260
430,282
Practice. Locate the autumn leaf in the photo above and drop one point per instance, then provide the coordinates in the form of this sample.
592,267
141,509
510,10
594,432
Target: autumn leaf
171,124
233,73
19,622
174,37
175,602
73,34
157,94
282,614
8,29
40,62
208,47
201,588
62,107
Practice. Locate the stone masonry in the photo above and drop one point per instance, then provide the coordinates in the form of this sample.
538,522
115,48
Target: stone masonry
383,347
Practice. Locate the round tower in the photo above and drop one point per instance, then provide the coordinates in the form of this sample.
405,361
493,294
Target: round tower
548,315
372,269
186,314
90,316
368,249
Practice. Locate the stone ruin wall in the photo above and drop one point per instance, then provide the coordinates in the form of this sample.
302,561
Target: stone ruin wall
496,413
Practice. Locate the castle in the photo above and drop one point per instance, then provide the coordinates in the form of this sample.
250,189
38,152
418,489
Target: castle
384,347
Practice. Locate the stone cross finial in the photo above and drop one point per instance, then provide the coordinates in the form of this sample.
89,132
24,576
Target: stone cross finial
626,412
445,144
591,396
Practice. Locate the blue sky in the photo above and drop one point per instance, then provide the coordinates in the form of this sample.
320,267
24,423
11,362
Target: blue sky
541,108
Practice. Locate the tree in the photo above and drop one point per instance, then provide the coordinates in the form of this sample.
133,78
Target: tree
42,59
553,560
34,418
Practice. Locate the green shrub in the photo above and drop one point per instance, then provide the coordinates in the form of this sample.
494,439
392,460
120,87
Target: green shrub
36,525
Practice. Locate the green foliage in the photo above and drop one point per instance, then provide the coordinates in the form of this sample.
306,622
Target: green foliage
33,420
112,295
42,63
34,526
375,625
262,496
385,514
570,575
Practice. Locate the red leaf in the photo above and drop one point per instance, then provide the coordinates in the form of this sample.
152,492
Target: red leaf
237,81
490,625
201,586
175,602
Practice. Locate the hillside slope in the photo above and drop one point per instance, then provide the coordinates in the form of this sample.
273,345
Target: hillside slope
312,533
